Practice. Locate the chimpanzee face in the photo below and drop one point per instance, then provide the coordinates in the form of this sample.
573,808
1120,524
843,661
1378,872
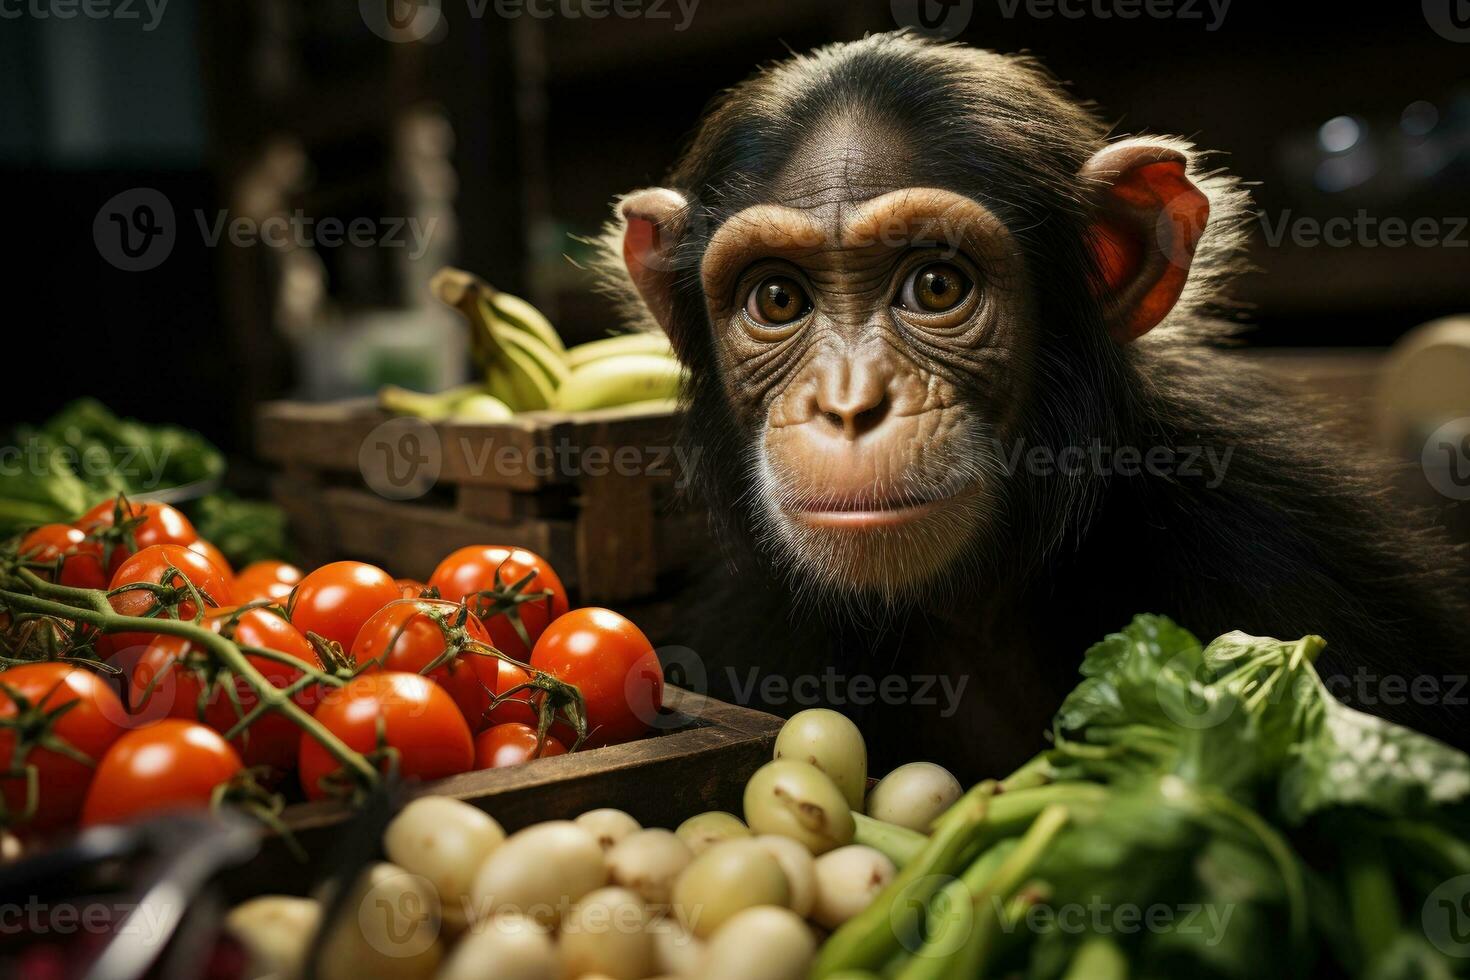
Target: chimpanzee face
873,330
872,346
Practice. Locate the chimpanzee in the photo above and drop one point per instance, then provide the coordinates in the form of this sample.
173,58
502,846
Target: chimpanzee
954,372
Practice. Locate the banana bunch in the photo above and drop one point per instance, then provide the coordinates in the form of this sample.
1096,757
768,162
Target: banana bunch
621,370
519,352
527,366
465,403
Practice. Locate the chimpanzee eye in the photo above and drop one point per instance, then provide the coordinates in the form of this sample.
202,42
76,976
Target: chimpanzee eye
934,288
777,301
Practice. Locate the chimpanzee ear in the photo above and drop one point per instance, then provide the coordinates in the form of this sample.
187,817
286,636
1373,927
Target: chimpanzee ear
1148,220
654,223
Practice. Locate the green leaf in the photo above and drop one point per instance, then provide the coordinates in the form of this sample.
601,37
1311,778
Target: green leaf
1348,758
245,530
1123,674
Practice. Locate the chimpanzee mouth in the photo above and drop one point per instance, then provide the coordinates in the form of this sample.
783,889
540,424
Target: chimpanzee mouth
863,511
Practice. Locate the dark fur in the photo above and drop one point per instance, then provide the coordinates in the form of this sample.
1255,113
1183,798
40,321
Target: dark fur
1298,539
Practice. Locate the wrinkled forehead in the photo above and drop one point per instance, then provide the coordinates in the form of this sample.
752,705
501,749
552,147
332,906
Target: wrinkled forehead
893,222
847,157
854,184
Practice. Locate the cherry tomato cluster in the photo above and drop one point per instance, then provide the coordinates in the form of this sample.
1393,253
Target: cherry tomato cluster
484,665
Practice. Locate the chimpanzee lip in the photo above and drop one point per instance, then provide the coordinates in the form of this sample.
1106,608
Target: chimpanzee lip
866,512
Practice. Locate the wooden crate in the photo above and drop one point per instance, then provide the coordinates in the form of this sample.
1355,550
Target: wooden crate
699,762
595,493
699,758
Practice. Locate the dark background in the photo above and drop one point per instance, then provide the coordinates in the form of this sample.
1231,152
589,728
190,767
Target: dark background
534,124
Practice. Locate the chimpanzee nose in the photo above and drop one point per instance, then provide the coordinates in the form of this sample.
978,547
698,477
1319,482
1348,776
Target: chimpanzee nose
853,398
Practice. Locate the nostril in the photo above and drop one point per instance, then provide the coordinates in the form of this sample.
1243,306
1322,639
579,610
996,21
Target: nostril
869,418
856,421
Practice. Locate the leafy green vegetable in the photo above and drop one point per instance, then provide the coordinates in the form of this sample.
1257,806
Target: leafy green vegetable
85,454
38,486
245,530
1348,758
1225,779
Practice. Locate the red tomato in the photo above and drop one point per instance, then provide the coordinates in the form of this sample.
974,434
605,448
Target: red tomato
335,600
485,576
156,524
404,636
217,557
612,663
169,678
418,720
266,579
508,678
169,765
410,588
150,565
510,745
30,696
81,556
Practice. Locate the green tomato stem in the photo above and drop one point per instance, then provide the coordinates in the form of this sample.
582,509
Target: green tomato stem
91,607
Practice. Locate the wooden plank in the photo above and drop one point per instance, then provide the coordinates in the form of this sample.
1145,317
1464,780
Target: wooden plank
701,765
489,503
520,453
411,538
680,538
616,559
516,455
551,482
298,492
499,505
324,436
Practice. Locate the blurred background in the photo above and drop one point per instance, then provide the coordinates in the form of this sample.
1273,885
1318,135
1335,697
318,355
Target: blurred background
389,138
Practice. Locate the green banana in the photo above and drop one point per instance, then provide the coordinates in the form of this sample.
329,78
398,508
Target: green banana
619,380
466,292
523,316
551,362
521,368
516,379
482,408
402,401
641,342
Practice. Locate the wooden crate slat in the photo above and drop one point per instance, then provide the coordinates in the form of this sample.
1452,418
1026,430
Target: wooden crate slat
701,766
499,505
412,538
661,780
616,558
610,529
503,454
327,436
681,538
